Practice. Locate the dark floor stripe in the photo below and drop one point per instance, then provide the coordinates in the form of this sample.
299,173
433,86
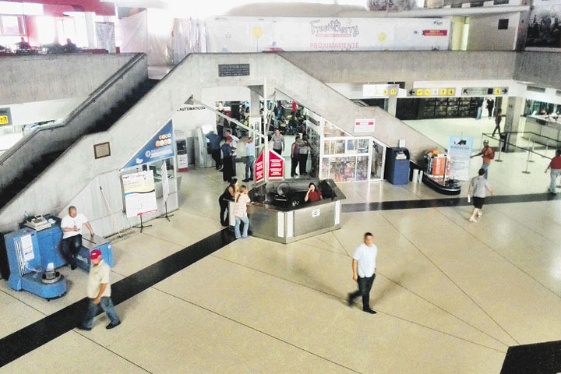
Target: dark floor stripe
444,202
51,327
542,358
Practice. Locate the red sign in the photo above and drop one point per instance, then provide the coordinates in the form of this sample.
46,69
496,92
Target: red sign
259,168
276,165
435,32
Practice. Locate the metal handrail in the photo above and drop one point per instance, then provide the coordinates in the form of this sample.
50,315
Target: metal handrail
90,99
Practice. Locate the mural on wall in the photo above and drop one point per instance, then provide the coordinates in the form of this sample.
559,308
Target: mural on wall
544,29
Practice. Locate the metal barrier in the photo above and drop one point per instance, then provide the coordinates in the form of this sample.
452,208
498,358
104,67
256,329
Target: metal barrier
531,149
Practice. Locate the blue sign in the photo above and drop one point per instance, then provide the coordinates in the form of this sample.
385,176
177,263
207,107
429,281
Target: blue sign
158,148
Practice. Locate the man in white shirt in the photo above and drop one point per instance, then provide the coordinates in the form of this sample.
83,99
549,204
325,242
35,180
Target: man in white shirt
71,226
250,159
364,271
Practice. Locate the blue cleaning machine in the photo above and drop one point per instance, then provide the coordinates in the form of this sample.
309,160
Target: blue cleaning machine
26,271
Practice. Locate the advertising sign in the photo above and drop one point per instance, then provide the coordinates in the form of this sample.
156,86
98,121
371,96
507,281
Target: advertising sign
158,148
544,27
252,34
259,168
364,125
459,150
140,193
276,165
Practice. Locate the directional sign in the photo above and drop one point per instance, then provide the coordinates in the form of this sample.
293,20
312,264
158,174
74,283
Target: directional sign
379,90
482,91
432,92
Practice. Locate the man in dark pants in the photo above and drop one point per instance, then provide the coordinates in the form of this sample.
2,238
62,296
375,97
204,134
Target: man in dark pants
214,145
364,271
71,226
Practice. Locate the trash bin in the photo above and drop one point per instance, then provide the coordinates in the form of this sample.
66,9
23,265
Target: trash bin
397,166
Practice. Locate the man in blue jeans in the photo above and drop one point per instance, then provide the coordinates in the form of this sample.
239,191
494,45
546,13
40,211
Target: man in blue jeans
99,293
250,159
364,271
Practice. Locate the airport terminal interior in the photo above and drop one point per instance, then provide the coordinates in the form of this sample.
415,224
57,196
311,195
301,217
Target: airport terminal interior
451,295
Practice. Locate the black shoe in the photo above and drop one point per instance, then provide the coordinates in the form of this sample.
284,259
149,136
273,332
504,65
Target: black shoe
245,180
111,325
73,266
350,300
82,327
368,310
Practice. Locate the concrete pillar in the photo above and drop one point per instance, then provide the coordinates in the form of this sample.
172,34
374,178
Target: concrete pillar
391,105
457,31
90,29
514,108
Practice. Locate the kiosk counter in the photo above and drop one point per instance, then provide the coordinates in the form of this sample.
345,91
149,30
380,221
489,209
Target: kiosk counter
278,212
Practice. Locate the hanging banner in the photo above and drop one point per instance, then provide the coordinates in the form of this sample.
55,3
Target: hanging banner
158,148
259,168
252,34
459,151
105,35
276,165
140,193
544,28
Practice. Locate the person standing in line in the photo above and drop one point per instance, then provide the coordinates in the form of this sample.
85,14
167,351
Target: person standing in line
303,149
487,154
478,188
555,166
99,293
234,145
240,212
278,142
214,144
224,201
250,159
71,226
364,271
498,120
294,156
479,107
490,106
227,160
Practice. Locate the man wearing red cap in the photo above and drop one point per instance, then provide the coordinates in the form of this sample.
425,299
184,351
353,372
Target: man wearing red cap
99,293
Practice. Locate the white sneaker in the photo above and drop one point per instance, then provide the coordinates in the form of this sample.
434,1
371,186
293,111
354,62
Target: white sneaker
479,214
471,219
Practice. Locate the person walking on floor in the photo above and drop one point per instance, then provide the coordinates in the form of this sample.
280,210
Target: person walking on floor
487,154
478,188
555,166
224,202
240,212
249,159
303,150
294,156
498,120
99,293
278,142
479,107
214,145
364,271
227,160
490,106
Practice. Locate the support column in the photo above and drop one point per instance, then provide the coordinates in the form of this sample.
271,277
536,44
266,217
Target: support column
391,105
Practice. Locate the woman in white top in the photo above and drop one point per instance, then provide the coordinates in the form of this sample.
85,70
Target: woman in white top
240,212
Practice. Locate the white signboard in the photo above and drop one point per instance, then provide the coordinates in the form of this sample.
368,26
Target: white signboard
140,193
364,125
249,34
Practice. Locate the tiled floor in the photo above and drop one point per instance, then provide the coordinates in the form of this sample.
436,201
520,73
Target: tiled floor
452,296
